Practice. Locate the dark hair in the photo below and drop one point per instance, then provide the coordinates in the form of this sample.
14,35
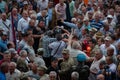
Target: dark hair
58,37
93,41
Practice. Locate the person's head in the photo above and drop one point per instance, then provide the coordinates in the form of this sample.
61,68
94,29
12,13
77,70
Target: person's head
97,17
30,41
33,17
13,52
41,24
75,76
110,51
109,18
86,21
10,44
25,4
42,70
58,37
50,4
100,77
109,60
65,54
34,68
100,3
95,6
61,1
90,14
118,46
84,31
14,11
106,26
83,9
4,67
23,53
53,75
98,54
92,43
54,62
40,51
4,16
4,36
25,14
31,12
30,7
25,36
76,45
107,41
102,64
7,56
112,11
12,67
79,24
44,12
100,41
32,23
81,58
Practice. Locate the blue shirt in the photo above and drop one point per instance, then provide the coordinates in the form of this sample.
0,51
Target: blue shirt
2,76
96,25
3,46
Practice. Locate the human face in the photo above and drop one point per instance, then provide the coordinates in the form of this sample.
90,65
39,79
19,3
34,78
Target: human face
65,56
98,55
54,63
41,24
4,16
11,68
107,43
7,57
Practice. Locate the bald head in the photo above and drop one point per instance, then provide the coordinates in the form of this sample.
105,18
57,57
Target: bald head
100,77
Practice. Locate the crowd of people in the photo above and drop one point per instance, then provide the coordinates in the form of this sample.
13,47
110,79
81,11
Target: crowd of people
59,39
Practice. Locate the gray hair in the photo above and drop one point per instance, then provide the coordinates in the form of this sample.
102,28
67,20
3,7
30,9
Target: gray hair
75,75
53,73
13,63
76,45
22,52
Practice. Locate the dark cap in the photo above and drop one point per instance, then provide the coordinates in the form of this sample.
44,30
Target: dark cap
54,59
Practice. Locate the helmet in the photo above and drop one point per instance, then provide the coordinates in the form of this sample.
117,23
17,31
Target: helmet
81,57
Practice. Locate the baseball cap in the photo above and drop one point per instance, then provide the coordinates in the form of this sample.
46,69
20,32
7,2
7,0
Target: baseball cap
108,38
81,57
65,51
54,59
25,2
110,16
42,68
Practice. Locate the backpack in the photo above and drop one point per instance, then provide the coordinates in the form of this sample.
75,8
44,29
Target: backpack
83,72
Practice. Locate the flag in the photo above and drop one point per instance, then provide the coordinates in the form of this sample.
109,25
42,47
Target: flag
86,2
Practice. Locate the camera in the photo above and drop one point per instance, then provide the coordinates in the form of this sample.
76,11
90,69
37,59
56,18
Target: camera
106,67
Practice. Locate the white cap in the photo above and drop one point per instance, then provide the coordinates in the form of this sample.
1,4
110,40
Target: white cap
25,2
108,38
110,16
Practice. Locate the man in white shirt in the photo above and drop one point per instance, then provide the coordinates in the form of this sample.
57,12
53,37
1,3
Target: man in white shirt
94,68
13,74
5,23
23,22
42,4
107,44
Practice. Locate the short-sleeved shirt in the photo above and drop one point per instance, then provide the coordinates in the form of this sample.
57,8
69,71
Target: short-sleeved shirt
23,24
